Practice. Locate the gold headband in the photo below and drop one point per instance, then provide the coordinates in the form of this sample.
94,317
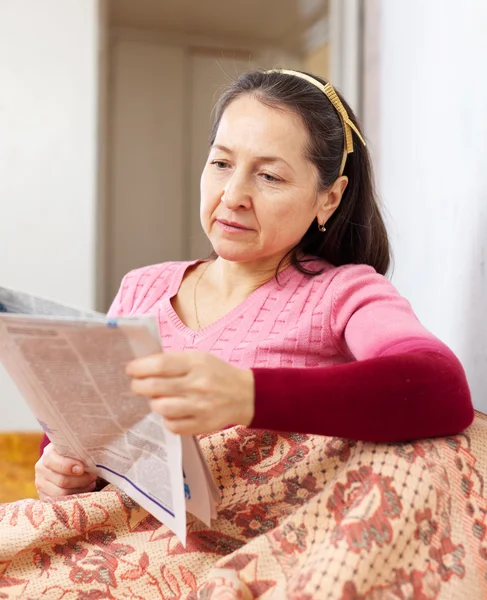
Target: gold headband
332,96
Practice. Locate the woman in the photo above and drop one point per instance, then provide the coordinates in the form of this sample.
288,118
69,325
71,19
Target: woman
288,203
291,326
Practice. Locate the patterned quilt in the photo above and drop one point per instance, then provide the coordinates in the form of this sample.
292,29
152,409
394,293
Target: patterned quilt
301,517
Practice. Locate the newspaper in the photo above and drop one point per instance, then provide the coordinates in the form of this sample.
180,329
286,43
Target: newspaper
69,365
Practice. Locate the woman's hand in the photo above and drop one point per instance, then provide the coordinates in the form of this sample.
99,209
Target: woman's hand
195,392
57,475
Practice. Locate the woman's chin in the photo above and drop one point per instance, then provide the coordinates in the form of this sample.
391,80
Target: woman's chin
233,253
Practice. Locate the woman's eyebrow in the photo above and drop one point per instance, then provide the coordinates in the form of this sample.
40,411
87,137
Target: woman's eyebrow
268,159
223,148
273,159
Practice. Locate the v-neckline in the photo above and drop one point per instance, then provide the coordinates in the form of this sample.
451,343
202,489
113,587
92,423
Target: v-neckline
233,314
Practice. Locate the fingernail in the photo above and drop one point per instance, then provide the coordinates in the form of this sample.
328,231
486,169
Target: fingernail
92,486
77,470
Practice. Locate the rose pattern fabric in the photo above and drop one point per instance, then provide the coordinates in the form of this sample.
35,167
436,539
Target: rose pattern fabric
363,509
301,517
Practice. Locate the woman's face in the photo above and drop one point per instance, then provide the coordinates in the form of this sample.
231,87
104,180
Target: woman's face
258,190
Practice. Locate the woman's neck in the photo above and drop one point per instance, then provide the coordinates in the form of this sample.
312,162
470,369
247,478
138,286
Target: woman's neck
241,279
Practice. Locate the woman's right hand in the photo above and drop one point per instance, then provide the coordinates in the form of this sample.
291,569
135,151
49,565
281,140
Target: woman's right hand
57,476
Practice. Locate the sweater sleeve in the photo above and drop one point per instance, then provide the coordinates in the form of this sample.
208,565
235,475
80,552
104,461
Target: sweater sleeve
401,382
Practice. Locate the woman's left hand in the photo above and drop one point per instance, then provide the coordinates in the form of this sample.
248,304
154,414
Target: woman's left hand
195,392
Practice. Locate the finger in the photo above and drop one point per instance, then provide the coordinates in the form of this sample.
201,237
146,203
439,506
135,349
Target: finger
48,490
189,426
62,464
174,408
156,387
167,364
69,482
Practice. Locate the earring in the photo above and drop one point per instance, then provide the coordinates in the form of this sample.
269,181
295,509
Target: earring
322,228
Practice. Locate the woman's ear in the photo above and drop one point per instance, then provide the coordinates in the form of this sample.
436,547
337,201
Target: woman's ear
330,200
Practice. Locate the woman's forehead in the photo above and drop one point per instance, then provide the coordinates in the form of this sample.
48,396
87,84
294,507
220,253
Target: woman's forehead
248,122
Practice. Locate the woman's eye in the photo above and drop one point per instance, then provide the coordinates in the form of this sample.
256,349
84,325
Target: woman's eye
220,164
270,178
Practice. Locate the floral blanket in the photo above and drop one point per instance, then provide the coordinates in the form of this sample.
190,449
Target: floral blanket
301,517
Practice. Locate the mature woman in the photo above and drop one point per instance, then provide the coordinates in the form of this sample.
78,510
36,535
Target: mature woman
291,326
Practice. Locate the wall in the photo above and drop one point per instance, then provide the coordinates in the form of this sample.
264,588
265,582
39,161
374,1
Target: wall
48,158
146,160
316,45
345,27
317,61
433,168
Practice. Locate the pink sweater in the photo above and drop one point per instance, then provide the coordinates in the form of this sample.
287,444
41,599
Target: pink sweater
346,313
341,353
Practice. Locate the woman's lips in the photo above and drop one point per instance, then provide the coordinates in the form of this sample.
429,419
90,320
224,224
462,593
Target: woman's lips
232,226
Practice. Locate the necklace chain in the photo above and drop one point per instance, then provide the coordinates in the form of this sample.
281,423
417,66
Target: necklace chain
194,294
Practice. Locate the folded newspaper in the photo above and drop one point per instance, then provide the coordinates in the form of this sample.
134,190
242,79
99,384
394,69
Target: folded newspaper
69,365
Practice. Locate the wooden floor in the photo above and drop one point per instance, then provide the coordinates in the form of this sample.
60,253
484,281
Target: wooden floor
18,454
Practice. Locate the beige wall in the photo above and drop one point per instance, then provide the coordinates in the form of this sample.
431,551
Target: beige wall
148,163
317,61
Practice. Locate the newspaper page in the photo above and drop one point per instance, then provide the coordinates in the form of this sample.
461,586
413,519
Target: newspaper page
12,301
200,490
199,502
71,373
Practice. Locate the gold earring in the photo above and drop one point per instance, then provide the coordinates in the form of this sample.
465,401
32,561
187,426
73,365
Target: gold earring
322,228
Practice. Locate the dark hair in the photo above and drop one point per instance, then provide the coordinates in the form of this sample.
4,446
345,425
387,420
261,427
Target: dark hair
356,232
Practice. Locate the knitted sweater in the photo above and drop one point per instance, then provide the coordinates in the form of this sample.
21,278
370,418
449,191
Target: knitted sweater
339,354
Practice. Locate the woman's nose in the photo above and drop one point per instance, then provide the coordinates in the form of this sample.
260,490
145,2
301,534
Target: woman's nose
236,193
